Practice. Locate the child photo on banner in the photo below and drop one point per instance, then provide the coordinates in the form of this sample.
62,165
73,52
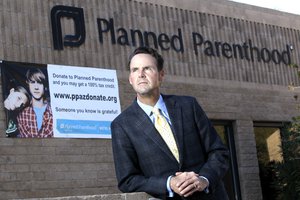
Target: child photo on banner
84,100
26,100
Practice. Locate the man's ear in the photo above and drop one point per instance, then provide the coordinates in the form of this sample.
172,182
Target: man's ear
129,80
161,75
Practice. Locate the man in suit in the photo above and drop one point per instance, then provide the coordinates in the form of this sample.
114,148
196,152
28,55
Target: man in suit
143,160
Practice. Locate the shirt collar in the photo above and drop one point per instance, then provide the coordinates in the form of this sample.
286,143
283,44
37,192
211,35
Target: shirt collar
146,108
160,104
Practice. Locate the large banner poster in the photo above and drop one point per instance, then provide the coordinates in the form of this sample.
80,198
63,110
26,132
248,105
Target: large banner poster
59,101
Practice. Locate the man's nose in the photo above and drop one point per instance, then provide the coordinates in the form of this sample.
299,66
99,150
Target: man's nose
141,73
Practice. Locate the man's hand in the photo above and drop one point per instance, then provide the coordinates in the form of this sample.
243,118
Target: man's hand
186,183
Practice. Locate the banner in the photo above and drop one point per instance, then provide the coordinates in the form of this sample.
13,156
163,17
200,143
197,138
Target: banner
59,101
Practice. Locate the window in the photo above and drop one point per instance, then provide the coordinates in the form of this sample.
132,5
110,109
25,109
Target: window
231,179
268,145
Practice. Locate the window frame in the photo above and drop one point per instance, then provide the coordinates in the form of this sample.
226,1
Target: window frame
229,135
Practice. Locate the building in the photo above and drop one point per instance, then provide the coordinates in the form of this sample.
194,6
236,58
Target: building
235,59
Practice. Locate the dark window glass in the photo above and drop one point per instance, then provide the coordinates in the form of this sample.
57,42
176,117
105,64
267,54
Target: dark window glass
231,179
268,145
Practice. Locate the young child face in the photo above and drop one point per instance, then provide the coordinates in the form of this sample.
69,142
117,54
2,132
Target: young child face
36,89
15,100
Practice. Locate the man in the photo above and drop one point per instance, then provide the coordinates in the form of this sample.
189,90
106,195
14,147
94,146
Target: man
144,161
36,120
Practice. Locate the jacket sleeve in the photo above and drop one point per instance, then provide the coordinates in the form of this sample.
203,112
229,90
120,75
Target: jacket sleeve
217,155
129,174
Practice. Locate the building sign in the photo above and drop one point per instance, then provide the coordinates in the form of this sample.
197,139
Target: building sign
59,101
246,50
165,41
74,13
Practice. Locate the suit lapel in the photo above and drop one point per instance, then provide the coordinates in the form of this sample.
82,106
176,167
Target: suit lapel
144,124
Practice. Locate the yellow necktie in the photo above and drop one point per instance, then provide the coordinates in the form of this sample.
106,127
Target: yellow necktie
163,127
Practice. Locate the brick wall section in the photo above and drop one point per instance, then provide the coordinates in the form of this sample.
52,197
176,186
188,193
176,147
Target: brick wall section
247,160
235,10
55,167
125,196
26,36
233,90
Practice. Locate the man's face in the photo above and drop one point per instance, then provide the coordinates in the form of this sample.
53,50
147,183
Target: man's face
15,100
36,89
144,75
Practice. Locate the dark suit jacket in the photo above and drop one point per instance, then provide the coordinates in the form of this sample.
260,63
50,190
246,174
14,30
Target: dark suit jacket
143,161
